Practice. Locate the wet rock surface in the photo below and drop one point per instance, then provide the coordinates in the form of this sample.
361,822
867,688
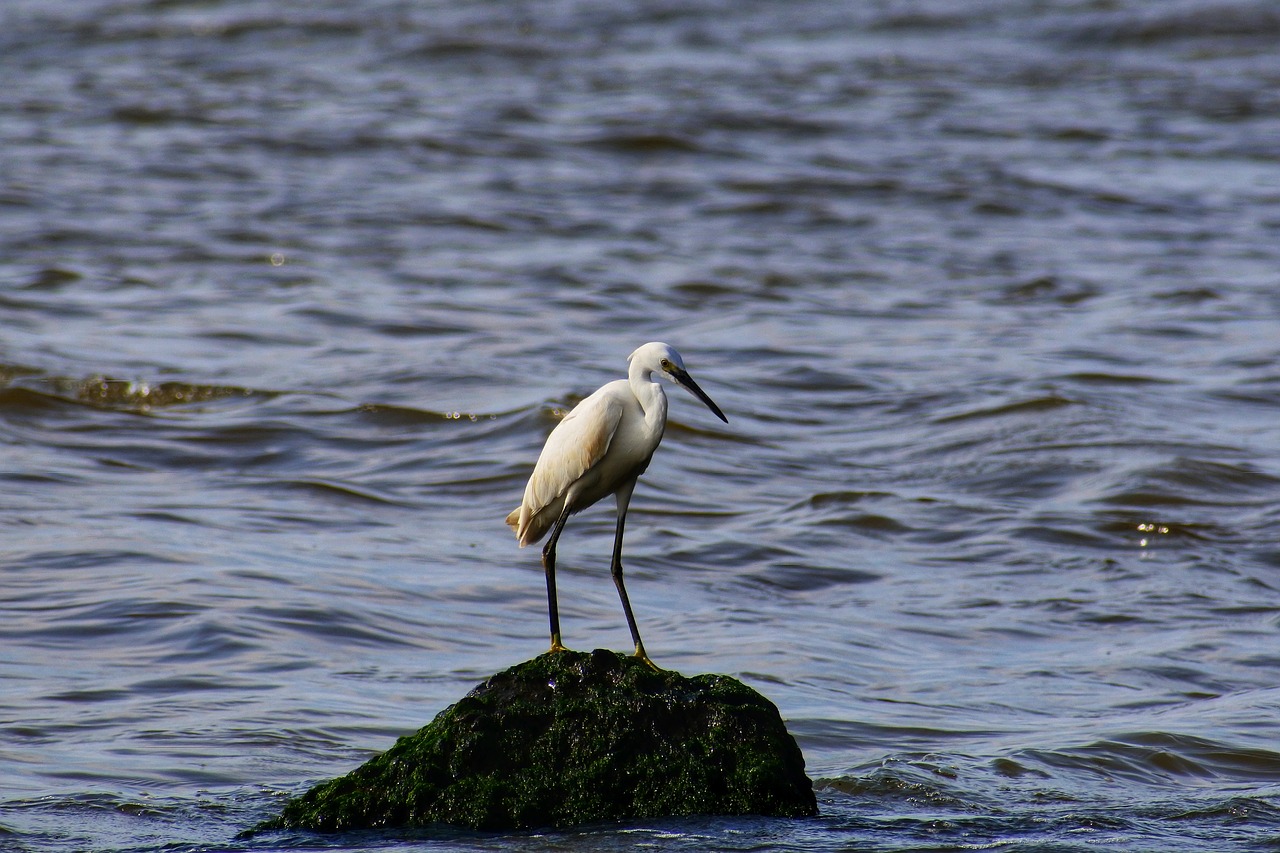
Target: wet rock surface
574,738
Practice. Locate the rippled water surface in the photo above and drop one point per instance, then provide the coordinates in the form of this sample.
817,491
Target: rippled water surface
290,295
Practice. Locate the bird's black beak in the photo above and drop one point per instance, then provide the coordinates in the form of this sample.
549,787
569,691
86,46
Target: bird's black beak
683,377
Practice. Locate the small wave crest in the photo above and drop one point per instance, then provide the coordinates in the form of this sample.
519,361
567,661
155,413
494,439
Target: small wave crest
27,388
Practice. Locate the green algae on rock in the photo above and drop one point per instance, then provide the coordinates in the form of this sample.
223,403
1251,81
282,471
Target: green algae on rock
572,738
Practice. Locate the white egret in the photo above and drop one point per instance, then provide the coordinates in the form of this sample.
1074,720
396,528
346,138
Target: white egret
601,448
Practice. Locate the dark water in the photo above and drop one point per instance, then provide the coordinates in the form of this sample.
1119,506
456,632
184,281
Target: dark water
990,292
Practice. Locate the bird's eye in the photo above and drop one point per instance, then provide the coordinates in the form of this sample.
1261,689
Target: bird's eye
666,364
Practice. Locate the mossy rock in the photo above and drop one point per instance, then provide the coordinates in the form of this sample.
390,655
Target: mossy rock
573,738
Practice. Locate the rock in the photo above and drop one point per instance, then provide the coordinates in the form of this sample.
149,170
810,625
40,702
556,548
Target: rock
573,738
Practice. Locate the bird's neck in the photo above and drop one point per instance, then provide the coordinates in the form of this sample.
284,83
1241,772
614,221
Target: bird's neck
652,398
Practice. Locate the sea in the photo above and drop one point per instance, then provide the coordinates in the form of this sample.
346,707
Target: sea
291,295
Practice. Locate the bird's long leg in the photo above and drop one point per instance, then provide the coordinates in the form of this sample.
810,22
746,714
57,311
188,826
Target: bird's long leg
549,566
615,569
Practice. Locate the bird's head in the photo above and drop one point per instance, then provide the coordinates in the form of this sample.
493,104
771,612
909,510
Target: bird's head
660,358
657,357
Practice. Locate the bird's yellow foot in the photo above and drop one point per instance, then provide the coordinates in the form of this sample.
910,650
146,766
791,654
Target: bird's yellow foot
556,645
645,659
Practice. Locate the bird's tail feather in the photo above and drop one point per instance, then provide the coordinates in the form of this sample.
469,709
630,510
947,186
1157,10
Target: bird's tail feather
513,521
531,527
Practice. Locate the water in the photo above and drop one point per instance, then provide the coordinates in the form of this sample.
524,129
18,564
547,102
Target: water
291,294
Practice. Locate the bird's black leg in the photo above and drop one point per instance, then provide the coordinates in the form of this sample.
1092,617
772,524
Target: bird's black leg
615,569
549,566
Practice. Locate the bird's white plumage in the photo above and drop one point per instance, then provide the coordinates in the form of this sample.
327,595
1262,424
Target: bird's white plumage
599,449
578,444
604,443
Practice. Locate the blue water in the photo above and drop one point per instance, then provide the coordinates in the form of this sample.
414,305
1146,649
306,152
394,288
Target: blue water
291,296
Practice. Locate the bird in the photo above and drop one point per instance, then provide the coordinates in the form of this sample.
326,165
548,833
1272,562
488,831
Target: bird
601,448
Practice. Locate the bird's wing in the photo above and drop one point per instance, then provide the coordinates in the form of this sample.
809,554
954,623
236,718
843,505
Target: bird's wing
576,444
